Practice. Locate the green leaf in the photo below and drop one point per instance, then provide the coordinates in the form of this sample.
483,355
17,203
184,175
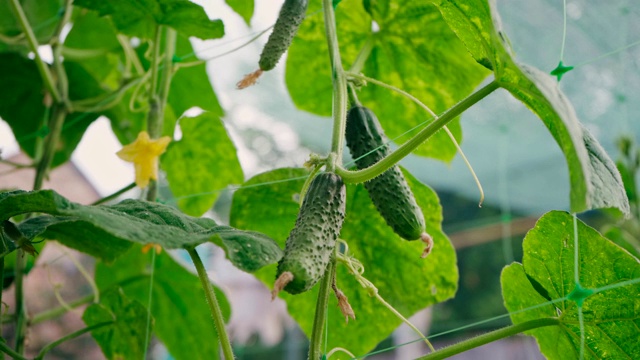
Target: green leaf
106,231
43,15
243,8
392,264
594,181
93,43
201,164
190,85
178,304
126,337
141,17
413,50
611,317
22,91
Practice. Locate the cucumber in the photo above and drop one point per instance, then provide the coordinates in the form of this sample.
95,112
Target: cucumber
389,192
311,243
291,15
289,20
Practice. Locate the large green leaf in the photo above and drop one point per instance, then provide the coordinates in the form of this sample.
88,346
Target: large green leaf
201,164
190,86
126,337
406,281
611,317
594,180
93,43
178,303
106,231
22,91
244,8
413,50
43,16
141,17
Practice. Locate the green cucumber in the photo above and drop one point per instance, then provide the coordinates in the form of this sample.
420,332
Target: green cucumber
291,15
389,192
311,243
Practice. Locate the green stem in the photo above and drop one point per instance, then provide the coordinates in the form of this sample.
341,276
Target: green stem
159,91
115,194
43,68
339,85
71,336
363,55
167,71
50,145
105,101
315,346
216,312
490,337
54,313
406,148
57,47
9,351
21,311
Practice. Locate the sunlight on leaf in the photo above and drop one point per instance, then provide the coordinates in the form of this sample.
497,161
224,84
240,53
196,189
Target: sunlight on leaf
412,49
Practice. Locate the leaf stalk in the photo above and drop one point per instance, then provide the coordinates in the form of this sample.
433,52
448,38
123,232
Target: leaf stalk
490,337
214,306
383,165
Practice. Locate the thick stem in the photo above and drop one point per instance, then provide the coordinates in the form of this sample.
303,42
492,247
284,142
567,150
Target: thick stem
490,337
339,109
406,148
315,346
216,312
43,68
159,91
71,336
57,47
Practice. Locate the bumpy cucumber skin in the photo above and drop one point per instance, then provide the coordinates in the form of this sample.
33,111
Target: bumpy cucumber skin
291,15
311,243
389,192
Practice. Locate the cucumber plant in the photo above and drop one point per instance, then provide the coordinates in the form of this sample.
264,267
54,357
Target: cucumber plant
132,66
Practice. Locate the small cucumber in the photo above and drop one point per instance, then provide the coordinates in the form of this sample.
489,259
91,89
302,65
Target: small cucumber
389,192
291,15
311,243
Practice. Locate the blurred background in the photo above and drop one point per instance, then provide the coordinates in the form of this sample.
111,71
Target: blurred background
519,164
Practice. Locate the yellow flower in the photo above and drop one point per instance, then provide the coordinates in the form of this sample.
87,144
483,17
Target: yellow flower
144,153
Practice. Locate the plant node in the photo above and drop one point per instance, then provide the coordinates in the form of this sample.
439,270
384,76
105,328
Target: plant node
343,302
283,280
249,79
428,241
